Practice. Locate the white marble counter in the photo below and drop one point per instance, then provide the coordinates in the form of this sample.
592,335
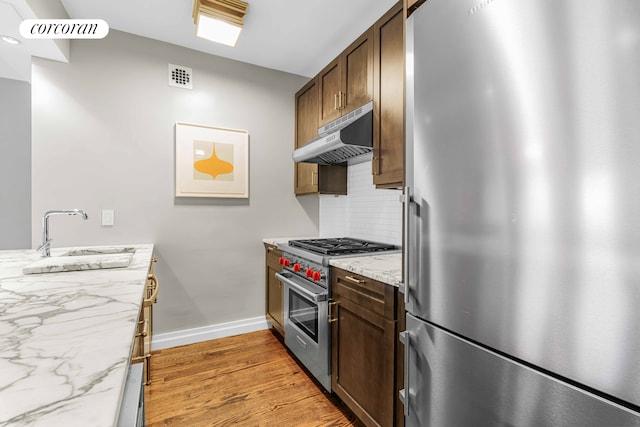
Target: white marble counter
66,339
385,268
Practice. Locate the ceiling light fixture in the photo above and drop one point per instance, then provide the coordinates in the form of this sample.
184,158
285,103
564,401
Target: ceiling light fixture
219,20
10,40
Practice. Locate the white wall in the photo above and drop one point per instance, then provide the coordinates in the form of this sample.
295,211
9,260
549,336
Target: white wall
103,137
15,164
365,213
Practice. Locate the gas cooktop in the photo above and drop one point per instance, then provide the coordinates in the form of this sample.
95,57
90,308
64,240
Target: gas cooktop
340,246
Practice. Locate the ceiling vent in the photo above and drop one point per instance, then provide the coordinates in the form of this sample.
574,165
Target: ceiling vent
180,76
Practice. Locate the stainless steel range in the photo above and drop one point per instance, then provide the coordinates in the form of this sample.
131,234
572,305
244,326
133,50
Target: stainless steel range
307,292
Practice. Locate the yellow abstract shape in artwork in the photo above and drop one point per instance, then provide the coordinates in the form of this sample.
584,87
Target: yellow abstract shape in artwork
213,165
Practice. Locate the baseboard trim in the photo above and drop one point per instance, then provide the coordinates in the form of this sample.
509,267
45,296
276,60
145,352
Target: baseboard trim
211,332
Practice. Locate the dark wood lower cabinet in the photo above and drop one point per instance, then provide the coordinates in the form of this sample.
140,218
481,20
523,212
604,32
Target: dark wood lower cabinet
365,371
274,297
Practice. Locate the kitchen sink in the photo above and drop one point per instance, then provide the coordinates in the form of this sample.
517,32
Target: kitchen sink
83,259
99,251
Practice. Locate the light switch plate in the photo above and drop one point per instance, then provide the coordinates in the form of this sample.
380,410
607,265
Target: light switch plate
108,217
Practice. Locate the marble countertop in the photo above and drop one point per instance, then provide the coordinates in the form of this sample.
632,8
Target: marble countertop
386,268
66,339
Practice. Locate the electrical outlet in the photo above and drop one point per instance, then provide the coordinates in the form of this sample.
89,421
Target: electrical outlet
108,217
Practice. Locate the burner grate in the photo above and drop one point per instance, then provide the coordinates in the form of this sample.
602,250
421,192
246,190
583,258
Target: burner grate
341,246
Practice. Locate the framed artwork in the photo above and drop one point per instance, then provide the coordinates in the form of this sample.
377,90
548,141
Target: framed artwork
211,162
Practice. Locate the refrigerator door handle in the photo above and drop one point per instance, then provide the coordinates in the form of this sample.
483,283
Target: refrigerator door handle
405,338
404,286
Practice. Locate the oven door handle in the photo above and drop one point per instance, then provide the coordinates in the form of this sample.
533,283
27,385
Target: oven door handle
303,288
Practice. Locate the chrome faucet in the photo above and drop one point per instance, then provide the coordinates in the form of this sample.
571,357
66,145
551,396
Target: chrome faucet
45,247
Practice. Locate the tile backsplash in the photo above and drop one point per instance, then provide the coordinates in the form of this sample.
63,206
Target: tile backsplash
365,213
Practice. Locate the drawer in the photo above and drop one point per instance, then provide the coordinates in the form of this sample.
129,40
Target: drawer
369,293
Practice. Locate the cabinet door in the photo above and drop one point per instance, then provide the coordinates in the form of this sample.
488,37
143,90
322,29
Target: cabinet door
357,73
306,174
329,83
274,296
347,82
388,129
274,301
362,362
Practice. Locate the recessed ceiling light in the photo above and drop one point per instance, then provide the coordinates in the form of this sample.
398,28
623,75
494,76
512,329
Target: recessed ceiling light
219,20
10,40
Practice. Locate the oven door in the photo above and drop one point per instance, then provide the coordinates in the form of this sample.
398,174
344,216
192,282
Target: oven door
306,325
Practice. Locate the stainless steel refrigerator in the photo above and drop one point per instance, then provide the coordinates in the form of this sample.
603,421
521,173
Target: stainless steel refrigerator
522,218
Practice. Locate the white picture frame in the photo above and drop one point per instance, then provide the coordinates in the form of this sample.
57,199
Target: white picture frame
211,161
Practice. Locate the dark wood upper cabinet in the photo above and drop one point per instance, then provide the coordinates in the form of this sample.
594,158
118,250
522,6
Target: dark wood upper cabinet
305,174
310,178
371,68
357,76
347,82
389,101
330,83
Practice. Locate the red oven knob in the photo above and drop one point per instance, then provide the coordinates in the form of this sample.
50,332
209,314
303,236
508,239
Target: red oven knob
309,273
281,261
316,275
287,262
297,267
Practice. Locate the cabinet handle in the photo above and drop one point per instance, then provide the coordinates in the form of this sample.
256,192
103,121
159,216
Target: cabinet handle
343,99
335,102
331,318
406,265
153,261
354,280
145,328
313,175
152,290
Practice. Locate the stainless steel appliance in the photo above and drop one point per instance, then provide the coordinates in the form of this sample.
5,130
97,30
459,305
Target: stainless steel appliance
522,275
307,290
132,406
342,140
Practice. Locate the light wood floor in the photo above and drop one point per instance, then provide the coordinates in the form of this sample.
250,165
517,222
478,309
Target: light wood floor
246,380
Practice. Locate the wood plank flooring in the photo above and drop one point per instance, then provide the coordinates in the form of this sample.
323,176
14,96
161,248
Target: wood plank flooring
245,380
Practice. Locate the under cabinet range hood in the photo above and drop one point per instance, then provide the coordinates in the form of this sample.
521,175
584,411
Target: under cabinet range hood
349,136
